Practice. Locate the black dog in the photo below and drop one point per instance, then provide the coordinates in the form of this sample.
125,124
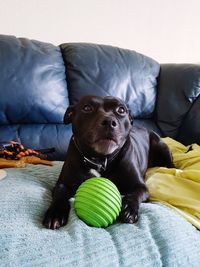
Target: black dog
105,143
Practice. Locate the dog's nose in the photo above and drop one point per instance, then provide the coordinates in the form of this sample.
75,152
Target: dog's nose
109,122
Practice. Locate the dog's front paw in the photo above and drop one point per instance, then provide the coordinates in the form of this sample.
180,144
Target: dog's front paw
129,211
56,217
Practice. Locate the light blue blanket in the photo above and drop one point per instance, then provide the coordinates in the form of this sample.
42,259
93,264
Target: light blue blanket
160,238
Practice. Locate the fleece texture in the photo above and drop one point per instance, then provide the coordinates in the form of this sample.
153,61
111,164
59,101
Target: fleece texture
160,238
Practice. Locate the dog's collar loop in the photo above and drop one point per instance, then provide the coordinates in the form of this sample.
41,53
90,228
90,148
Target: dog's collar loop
97,164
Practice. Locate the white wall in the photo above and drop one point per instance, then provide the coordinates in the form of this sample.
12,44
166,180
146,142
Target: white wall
168,31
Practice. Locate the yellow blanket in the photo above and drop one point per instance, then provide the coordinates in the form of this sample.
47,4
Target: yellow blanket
178,188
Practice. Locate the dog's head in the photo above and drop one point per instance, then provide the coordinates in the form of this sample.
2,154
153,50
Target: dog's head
100,124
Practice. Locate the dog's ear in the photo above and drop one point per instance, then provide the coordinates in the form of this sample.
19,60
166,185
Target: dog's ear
68,115
130,114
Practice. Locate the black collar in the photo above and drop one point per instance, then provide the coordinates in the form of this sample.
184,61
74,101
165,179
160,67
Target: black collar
99,164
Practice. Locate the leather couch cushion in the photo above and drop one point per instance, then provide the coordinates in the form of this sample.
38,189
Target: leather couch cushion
105,70
149,124
33,83
177,110
190,129
39,136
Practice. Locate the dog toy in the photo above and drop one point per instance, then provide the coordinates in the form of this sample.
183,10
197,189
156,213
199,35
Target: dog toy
22,162
15,155
15,151
97,202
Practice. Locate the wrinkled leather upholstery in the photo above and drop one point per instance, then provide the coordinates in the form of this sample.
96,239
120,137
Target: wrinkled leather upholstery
38,81
178,103
33,94
32,82
106,70
39,136
190,129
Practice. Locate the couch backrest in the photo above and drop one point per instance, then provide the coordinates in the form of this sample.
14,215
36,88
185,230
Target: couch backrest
32,82
105,70
38,81
33,94
178,104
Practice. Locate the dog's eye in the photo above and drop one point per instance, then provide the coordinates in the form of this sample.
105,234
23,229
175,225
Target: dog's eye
88,108
121,110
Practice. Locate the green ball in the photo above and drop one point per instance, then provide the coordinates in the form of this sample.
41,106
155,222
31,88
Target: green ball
97,202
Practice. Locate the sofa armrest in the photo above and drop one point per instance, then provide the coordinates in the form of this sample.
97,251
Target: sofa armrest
189,131
178,99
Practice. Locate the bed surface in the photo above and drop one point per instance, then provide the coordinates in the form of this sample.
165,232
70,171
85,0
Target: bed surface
160,238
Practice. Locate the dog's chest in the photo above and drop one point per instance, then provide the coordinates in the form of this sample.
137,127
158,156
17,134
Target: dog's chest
94,173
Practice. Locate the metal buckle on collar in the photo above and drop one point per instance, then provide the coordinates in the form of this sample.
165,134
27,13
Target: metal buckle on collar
98,166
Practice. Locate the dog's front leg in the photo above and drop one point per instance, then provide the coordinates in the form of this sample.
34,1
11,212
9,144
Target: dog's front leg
58,212
131,203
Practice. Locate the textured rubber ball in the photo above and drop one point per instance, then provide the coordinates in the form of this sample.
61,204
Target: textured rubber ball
98,202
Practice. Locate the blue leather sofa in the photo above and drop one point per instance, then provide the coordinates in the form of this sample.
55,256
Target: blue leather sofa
38,81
